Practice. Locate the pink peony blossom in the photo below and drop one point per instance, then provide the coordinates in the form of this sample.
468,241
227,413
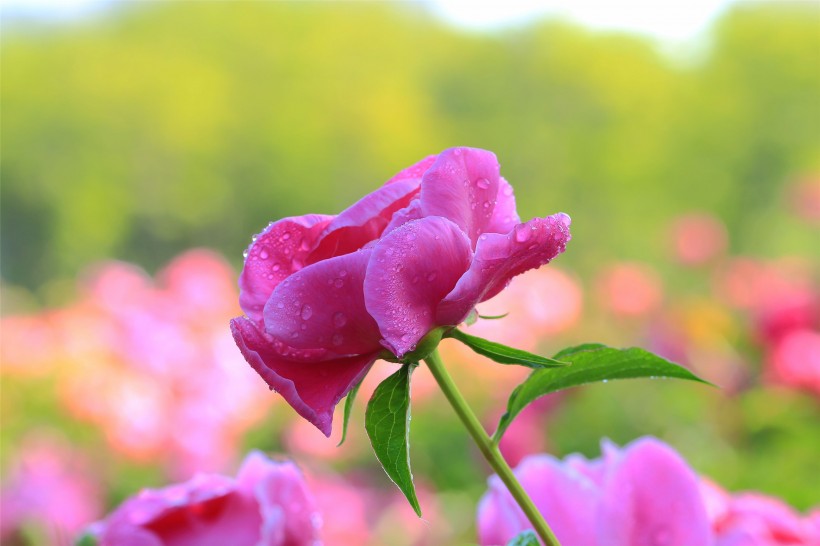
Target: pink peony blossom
630,289
325,296
641,495
268,504
753,519
698,238
49,487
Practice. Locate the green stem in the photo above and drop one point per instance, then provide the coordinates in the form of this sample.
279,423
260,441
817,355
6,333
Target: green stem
489,450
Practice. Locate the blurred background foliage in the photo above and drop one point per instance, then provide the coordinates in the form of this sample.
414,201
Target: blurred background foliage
159,126
153,127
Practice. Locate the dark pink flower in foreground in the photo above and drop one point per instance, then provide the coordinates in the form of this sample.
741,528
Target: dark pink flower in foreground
643,494
268,504
325,296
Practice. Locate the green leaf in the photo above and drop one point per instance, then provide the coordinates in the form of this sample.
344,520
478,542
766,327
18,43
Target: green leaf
493,317
591,363
387,422
86,540
503,354
525,538
349,399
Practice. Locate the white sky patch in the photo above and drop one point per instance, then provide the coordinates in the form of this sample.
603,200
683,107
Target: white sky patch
665,20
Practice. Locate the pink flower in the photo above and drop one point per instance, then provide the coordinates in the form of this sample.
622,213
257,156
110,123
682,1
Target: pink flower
325,296
49,487
630,289
698,238
643,494
752,519
268,504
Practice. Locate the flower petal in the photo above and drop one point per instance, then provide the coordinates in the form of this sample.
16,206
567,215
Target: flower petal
505,217
283,492
462,185
322,307
312,388
275,254
415,171
365,220
412,268
499,258
652,497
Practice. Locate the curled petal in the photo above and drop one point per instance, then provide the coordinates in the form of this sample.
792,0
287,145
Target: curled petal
312,388
289,514
365,220
414,172
504,217
499,258
274,255
322,307
411,270
462,186
652,497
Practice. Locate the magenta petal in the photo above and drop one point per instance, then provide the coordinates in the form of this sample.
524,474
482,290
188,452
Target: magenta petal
312,388
462,186
365,220
323,306
415,171
652,497
276,253
283,492
505,217
499,258
411,270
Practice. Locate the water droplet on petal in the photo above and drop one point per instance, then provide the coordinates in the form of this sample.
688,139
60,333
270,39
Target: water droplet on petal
245,253
280,305
482,183
263,254
522,234
339,319
307,312
431,277
337,339
285,236
338,283
277,267
342,273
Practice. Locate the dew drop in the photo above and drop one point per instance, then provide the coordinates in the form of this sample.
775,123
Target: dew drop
338,283
277,267
245,253
337,339
339,319
406,337
285,236
431,277
307,312
263,254
343,273
522,234
482,183
280,305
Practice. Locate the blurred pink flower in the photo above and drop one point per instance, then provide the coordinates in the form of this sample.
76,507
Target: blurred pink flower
268,504
539,303
150,363
752,519
698,238
641,494
751,284
326,296
804,198
50,488
27,344
630,289
794,360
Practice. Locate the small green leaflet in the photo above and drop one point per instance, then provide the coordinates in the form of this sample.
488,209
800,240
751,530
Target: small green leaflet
525,538
591,363
503,354
349,399
387,422
86,540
